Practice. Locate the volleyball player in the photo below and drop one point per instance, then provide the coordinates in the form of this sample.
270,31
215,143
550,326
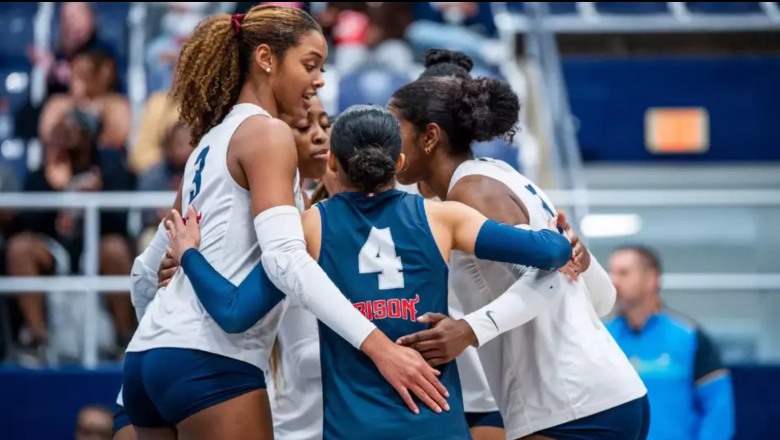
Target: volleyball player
554,370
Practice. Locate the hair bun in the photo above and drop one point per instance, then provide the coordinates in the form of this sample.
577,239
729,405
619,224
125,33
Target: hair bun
441,56
372,167
489,109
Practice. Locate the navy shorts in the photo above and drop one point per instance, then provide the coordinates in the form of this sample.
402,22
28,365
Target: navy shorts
474,419
120,418
164,386
629,421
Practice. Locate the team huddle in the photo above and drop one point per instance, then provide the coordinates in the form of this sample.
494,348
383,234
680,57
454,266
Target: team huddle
374,313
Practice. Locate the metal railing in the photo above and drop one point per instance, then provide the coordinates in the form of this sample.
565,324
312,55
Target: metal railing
677,18
93,203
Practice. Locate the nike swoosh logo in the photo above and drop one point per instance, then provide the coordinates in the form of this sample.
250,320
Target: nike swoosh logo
491,319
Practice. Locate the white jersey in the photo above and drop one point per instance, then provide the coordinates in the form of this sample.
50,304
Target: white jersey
477,397
295,388
561,366
175,317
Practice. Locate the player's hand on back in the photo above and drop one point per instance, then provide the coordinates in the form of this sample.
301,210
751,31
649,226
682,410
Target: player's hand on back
406,370
182,236
168,268
581,257
444,342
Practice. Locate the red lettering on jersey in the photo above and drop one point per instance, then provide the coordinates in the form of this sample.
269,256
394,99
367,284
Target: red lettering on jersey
391,308
200,215
409,309
369,311
380,309
394,308
361,306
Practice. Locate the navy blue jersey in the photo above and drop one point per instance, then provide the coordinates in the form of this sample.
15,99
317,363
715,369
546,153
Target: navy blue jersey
379,251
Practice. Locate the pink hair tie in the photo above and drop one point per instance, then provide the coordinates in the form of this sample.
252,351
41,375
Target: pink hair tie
236,20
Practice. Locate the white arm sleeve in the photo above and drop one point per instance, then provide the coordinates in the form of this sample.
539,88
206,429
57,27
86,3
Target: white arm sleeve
522,302
295,273
143,276
600,289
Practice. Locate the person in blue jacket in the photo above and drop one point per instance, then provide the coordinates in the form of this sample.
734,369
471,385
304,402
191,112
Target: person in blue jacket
690,391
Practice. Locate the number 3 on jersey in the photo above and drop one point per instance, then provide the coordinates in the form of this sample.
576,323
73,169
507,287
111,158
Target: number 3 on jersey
200,162
378,256
545,206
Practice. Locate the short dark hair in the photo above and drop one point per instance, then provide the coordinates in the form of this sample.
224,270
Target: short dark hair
440,62
366,140
648,256
468,110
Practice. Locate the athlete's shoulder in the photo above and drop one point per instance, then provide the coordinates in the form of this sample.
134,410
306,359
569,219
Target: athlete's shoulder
435,209
311,216
261,140
262,132
491,197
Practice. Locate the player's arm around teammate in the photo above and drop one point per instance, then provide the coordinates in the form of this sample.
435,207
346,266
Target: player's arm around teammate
598,285
429,110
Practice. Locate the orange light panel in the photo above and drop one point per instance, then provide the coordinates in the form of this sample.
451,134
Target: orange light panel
677,130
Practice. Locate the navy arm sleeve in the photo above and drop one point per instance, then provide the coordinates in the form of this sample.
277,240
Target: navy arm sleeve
713,391
544,249
234,308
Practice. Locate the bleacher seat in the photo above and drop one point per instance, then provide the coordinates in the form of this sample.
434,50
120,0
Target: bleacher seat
13,156
517,7
563,7
632,7
16,32
14,86
370,86
723,7
559,8
112,27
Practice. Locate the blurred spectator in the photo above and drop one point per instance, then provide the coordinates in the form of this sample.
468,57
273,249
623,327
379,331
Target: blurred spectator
369,34
94,423
91,88
690,391
165,176
78,32
463,26
178,23
160,114
48,239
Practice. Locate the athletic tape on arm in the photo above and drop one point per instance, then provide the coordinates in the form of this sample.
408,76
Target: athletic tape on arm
294,272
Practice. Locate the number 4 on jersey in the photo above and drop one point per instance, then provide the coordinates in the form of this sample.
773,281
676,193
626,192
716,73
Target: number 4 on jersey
378,256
